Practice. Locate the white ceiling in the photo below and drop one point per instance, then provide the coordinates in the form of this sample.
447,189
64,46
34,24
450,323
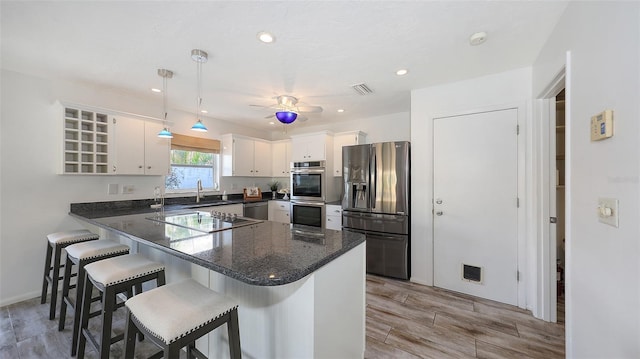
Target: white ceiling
321,49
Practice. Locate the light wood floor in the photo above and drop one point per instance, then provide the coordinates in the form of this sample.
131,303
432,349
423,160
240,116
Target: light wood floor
406,320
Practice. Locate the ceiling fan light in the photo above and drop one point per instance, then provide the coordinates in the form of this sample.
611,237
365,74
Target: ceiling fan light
286,117
165,133
199,126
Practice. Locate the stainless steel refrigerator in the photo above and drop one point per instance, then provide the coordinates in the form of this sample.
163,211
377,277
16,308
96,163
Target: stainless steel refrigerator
375,201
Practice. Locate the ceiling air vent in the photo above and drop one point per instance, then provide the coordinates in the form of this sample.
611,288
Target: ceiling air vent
362,89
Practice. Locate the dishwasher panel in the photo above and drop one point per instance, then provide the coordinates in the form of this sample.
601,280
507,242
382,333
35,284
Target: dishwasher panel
256,210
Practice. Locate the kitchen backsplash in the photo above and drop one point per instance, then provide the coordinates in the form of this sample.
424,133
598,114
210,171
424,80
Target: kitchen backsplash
236,184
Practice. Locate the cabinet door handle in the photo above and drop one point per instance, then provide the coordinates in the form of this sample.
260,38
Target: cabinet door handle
140,166
148,167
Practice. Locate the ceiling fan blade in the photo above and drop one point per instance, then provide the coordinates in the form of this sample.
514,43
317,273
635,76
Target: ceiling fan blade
310,109
301,118
270,116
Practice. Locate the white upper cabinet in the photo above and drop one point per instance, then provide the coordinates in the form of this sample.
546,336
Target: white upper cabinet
281,158
312,147
137,148
345,139
156,150
245,156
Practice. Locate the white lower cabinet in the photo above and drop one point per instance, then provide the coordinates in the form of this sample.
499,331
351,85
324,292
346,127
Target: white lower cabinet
279,211
333,217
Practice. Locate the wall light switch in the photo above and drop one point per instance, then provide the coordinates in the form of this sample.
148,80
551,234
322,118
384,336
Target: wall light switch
127,189
113,188
608,211
602,125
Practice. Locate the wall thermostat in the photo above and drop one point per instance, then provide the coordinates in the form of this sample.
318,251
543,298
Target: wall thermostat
602,125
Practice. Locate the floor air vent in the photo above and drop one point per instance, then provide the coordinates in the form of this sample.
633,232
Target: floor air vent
471,273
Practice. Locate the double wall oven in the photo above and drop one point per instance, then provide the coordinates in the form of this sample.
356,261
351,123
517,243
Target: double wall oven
308,193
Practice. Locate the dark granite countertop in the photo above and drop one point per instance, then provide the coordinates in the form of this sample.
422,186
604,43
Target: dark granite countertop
263,254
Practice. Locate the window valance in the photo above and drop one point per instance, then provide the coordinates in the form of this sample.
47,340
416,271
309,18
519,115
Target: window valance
190,143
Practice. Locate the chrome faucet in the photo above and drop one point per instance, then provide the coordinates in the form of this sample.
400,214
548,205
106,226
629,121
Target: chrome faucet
198,191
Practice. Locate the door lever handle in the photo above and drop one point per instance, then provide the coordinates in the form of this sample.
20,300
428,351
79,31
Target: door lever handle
438,213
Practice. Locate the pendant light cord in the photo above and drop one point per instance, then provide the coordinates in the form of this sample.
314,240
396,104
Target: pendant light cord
199,74
164,99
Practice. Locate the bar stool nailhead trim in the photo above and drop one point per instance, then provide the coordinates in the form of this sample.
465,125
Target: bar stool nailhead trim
55,243
197,311
112,276
81,254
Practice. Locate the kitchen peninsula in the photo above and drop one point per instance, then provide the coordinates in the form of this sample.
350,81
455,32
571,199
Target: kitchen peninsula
301,289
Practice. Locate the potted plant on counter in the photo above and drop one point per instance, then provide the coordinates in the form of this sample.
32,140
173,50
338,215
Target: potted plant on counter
274,188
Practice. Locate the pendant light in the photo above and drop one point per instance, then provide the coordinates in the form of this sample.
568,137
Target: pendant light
199,57
165,74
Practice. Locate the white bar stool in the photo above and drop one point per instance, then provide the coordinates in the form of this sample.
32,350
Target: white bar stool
81,254
111,277
175,315
55,243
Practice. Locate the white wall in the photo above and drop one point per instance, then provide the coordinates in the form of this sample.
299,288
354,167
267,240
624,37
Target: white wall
603,263
34,199
393,127
504,89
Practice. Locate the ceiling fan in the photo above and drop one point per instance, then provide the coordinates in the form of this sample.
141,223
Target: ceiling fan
288,109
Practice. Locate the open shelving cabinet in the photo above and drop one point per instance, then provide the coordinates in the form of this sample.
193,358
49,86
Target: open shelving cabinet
86,142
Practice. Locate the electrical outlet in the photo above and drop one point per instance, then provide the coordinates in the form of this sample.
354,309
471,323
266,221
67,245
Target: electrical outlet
113,188
127,189
608,211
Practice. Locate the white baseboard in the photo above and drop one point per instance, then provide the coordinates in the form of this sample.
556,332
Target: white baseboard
19,298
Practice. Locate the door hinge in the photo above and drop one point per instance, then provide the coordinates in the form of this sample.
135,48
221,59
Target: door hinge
518,275
517,129
517,202
114,120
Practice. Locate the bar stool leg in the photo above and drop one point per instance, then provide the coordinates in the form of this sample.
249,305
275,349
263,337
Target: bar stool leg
55,276
233,330
80,284
130,337
47,271
66,283
108,307
85,312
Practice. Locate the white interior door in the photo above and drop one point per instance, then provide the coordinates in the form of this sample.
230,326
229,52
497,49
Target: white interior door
475,191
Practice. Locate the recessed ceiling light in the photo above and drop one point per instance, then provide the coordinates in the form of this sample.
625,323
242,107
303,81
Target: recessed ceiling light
402,72
204,111
341,110
156,90
266,37
478,38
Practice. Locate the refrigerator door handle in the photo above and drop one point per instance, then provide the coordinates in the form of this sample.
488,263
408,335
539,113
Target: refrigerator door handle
373,171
